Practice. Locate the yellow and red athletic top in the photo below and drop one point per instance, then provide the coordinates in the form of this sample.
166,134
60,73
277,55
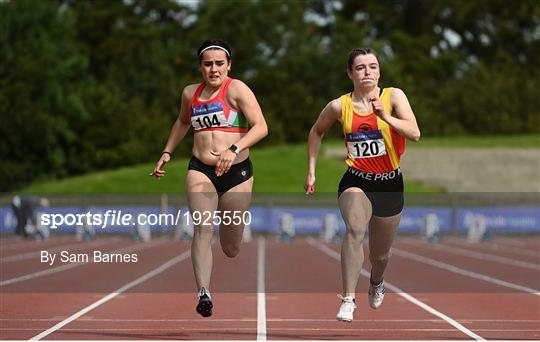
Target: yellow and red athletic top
216,113
372,145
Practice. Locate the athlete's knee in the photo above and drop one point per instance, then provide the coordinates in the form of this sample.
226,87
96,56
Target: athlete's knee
200,233
356,224
355,231
231,250
379,258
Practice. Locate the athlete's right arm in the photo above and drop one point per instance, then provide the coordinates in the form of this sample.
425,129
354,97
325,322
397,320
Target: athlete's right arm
328,116
178,131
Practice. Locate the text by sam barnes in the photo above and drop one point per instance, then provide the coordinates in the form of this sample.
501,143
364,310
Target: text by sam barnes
93,257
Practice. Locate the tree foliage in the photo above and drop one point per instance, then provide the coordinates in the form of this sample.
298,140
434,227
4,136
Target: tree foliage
88,85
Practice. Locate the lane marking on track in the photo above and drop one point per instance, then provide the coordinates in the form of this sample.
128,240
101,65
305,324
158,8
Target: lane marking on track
455,269
161,330
261,295
494,246
333,254
472,254
517,243
221,320
73,246
160,269
49,271
9,246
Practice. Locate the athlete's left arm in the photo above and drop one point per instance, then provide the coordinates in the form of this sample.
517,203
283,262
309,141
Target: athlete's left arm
247,104
404,121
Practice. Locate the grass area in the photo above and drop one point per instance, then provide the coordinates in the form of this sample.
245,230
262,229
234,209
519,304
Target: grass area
277,169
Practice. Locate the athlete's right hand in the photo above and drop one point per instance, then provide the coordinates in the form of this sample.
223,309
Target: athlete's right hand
158,170
309,185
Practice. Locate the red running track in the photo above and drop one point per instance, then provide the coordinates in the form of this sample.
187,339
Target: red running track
273,290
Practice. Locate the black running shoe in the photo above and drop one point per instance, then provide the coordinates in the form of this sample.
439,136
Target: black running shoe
204,307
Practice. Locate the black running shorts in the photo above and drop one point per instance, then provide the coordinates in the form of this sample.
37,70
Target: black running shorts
237,174
384,191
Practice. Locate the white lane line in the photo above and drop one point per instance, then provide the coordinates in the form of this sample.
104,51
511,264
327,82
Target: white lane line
333,254
113,294
261,295
493,246
454,269
161,330
472,254
73,246
49,271
8,246
518,243
221,320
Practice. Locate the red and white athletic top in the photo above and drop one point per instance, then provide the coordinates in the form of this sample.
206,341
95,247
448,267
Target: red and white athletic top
216,114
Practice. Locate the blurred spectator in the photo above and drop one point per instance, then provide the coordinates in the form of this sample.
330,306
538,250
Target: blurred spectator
24,208
16,205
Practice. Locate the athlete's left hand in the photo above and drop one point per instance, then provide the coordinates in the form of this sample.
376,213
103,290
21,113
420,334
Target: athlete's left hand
225,161
309,184
378,107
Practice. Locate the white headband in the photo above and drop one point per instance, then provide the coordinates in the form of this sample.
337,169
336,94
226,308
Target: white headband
215,47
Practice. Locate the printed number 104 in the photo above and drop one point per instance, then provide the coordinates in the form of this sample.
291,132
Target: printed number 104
207,121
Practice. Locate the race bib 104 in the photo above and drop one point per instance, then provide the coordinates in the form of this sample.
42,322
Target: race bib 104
367,144
208,116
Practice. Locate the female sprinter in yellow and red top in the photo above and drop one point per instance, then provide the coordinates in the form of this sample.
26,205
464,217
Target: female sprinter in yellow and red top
375,124
372,144
227,120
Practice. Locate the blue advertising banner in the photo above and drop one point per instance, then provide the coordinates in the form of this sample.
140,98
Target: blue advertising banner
7,220
311,221
304,220
501,220
261,219
270,219
415,220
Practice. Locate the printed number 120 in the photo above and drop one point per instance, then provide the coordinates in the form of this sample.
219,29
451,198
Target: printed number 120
368,149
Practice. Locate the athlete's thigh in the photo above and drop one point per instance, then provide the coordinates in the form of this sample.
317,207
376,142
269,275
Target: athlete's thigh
232,206
382,231
355,208
202,196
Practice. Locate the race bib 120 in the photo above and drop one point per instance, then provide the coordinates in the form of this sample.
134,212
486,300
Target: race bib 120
367,144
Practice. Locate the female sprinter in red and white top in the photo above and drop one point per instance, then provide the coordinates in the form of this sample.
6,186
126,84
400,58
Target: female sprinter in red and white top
227,120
